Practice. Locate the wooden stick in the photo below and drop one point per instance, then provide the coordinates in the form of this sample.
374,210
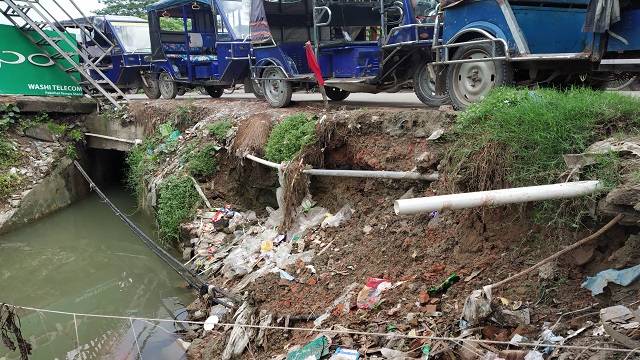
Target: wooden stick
563,251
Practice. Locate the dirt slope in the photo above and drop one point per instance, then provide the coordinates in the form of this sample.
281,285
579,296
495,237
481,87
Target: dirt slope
415,252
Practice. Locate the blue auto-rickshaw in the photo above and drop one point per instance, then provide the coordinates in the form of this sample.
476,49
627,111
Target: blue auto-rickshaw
211,50
358,45
489,43
117,45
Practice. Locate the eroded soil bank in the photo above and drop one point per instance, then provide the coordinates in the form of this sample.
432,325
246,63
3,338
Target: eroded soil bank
416,253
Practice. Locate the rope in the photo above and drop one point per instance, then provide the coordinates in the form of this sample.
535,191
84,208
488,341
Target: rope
346,331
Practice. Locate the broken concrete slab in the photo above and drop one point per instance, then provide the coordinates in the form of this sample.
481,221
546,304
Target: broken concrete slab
40,132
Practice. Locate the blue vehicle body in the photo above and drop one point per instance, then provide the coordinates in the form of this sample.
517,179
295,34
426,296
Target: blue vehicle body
210,50
359,46
116,44
488,43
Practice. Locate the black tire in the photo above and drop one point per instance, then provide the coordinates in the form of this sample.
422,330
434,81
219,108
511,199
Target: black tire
150,87
277,90
258,92
425,88
336,94
168,89
181,91
468,83
214,91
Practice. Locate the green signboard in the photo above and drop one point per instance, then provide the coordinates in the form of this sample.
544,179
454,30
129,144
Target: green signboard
26,70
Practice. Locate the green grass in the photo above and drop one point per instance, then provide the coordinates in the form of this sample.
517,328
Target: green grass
219,129
289,137
517,137
177,202
202,162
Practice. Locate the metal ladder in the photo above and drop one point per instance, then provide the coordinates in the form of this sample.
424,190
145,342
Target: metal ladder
21,9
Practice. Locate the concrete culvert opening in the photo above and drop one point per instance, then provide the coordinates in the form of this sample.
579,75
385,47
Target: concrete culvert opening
106,167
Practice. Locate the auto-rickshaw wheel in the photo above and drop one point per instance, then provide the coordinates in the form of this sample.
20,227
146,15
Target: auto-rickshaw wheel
276,89
425,88
150,87
258,91
336,94
168,89
214,91
468,83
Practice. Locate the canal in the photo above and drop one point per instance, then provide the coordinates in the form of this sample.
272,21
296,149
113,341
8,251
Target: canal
85,260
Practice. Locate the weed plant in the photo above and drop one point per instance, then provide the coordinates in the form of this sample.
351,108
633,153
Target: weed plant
517,137
75,135
9,114
202,162
289,137
141,162
177,202
55,128
219,129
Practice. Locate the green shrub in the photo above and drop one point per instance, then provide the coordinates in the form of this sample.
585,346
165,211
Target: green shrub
289,137
202,162
219,129
177,202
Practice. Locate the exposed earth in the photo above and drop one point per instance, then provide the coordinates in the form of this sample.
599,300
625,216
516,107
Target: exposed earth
414,252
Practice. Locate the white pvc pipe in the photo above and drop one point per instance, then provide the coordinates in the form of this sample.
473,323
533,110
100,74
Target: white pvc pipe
496,197
135,142
354,173
263,162
373,174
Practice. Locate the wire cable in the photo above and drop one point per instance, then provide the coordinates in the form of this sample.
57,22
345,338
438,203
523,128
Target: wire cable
202,287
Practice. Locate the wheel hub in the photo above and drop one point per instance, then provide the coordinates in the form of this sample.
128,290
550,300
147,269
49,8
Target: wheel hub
473,78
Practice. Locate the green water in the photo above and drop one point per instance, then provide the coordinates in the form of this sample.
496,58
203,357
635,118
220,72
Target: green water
85,260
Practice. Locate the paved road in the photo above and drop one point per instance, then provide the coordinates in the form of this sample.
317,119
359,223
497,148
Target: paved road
404,99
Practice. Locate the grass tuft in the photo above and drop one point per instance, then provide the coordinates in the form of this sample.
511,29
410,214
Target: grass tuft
202,162
517,137
177,202
289,137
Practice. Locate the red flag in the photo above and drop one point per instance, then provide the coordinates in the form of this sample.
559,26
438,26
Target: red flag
313,64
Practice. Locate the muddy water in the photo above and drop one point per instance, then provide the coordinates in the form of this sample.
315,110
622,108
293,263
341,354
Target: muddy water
84,259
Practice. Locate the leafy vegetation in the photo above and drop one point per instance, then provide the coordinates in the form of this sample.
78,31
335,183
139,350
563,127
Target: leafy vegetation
219,129
202,162
177,201
56,128
289,137
9,114
517,137
75,135
124,7
140,161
